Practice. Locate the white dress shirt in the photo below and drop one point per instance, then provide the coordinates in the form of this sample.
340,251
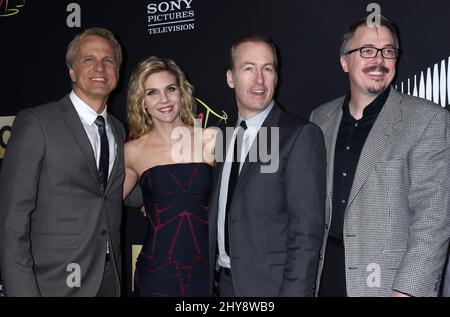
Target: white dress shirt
253,125
87,116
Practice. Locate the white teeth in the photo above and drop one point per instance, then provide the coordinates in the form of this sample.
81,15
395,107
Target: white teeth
165,109
376,73
98,79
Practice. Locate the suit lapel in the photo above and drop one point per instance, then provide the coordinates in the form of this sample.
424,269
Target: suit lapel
76,127
247,168
377,141
330,131
118,155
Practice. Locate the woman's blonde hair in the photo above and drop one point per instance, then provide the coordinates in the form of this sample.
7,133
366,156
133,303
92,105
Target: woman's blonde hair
140,122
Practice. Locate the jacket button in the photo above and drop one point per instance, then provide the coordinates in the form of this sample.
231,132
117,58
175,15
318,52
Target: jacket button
326,226
103,232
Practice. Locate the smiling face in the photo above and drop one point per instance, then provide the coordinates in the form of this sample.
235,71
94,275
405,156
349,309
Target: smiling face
94,71
369,76
162,97
253,77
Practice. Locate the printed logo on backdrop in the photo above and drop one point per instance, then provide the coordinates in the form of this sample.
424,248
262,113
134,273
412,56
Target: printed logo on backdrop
432,83
208,117
170,16
5,133
73,19
10,7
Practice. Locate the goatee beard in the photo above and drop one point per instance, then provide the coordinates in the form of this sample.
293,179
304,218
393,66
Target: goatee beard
374,91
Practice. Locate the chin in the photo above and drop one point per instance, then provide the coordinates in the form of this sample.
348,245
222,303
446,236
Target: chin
375,90
261,106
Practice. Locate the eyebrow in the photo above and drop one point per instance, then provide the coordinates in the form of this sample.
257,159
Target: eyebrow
152,88
254,64
95,56
374,46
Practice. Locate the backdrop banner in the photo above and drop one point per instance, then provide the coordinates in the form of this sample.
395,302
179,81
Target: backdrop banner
197,34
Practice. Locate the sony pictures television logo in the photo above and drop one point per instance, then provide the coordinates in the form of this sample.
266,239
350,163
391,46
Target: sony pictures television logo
5,133
170,16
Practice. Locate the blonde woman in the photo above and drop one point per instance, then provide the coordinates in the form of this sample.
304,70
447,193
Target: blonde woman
169,159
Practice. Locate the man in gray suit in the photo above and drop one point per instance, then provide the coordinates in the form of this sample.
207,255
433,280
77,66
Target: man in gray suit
446,279
61,184
388,193
266,225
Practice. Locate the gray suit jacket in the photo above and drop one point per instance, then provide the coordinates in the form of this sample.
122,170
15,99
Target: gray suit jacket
397,221
446,280
276,219
53,213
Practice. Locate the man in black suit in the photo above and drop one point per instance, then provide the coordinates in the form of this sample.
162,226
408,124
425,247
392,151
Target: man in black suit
266,222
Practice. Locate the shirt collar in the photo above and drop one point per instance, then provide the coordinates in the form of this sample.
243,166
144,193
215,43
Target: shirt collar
84,111
372,109
257,120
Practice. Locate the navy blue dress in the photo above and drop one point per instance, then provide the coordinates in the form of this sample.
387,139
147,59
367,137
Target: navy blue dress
174,258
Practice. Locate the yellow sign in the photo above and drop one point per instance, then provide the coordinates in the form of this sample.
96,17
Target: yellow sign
5,132
135,250
9,7
205,117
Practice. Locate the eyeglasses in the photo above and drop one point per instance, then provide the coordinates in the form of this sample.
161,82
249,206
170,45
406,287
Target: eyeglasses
371,52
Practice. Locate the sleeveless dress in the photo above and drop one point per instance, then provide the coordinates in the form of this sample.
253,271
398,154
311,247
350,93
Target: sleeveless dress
174,258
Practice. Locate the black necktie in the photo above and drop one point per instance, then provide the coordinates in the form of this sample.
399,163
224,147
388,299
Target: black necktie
103,166
233,177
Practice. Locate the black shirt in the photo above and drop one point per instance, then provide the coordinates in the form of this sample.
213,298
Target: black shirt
350,140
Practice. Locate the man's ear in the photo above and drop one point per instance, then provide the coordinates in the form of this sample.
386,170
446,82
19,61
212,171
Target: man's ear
344,63
230,79
72,75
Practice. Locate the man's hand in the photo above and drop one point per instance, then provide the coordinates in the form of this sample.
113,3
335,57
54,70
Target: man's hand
398,294
142,210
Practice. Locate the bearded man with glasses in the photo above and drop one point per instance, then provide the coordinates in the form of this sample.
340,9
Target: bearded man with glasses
387,222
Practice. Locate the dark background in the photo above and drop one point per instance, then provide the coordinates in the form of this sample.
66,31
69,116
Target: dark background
307,32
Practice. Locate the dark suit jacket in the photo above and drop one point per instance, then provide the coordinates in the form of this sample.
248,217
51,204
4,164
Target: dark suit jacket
276,219
53,212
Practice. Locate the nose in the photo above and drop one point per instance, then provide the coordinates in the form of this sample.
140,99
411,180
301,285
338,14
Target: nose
99,66
163,97
259,76
379,57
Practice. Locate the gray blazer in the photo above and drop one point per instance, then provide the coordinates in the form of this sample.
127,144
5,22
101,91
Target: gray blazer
397,221
52,209
276,220
446,280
